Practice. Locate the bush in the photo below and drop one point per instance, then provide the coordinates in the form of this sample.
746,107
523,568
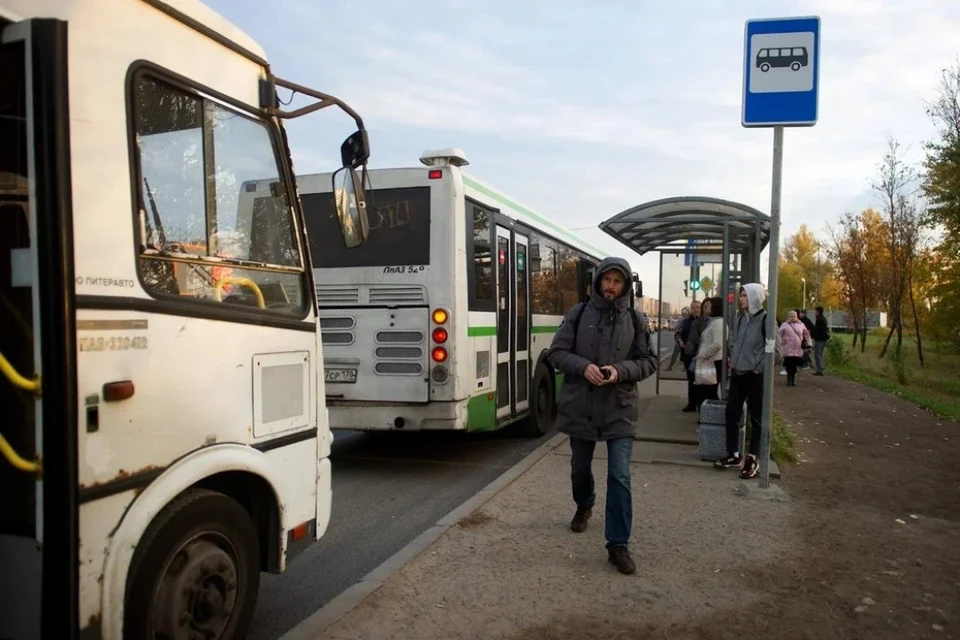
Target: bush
898,364
835,353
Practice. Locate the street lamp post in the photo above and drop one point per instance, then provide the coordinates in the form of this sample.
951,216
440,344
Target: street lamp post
804,281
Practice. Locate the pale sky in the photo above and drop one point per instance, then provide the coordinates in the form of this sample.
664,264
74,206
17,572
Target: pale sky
581,110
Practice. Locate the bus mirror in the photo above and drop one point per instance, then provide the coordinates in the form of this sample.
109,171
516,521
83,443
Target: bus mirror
639,289
351,206
355,150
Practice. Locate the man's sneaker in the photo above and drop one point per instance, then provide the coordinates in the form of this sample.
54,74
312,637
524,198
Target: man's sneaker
620,558
579,522
729,462
749,468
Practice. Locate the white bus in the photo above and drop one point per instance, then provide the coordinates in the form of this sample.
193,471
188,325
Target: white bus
164,437
442,319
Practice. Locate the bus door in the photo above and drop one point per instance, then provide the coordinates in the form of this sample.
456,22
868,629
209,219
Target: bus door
513,323
521,334
38,521
505,323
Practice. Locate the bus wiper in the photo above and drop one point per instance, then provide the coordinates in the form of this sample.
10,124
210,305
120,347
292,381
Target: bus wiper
161,236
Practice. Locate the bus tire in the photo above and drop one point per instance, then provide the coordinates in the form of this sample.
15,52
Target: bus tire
543,412
195,572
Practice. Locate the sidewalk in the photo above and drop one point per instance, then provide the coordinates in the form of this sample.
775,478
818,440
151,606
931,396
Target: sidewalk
513,569
866,546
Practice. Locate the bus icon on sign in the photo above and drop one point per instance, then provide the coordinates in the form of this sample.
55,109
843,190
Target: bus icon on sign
782,57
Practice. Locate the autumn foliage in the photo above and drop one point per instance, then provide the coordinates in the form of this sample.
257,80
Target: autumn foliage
903,256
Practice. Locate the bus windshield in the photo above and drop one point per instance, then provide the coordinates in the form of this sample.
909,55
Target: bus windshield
399,230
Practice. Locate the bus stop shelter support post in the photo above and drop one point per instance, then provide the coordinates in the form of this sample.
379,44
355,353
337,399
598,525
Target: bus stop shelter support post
728,309
757,248
771,325
659,326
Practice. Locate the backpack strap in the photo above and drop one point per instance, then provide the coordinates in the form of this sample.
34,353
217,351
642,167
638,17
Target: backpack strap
576,322
638,326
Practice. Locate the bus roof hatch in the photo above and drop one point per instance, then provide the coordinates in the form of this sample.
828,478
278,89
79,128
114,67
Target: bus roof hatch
442,157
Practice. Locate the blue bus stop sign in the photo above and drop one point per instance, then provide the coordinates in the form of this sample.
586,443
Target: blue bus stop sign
781,72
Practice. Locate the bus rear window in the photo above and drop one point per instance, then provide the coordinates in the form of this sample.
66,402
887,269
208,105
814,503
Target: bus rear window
399,230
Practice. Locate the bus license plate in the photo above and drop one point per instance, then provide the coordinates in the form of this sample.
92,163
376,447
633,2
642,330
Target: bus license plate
340,375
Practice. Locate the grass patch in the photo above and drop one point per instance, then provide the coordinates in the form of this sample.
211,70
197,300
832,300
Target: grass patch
783,444
476,519
934,387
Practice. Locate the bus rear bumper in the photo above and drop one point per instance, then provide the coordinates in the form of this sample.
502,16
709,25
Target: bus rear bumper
435,416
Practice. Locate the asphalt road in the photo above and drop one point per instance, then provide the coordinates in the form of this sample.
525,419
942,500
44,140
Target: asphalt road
388,489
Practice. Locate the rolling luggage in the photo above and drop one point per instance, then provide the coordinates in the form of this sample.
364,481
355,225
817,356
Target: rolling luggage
713,430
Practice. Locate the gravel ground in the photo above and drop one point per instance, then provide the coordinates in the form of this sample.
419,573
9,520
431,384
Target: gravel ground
514,570
868,546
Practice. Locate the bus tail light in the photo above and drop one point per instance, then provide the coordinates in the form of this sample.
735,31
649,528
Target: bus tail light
439,354
435,174
440,316
439,335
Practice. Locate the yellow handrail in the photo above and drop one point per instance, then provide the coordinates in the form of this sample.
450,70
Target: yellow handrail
14,458
17,379
244,282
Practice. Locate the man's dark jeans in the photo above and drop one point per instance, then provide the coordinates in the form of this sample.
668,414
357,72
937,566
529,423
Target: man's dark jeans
619,508
744,387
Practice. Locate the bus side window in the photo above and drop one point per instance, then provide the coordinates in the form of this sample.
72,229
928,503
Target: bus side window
197,161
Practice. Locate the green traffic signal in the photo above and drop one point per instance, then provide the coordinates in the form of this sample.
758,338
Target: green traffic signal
695,285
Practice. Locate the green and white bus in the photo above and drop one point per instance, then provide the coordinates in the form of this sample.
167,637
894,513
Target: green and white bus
442,319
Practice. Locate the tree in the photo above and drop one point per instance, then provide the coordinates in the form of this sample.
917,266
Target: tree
902,216
941,187
857,250
802,258
942,163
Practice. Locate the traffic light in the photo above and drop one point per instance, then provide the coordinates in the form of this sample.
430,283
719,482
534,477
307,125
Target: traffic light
686,290
695,285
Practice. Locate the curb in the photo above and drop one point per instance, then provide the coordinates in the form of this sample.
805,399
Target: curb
324,617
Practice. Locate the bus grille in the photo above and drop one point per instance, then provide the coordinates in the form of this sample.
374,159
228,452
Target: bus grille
337,330
398,295
398,359
337,296
332,295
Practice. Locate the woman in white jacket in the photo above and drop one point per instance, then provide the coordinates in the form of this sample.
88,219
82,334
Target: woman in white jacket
710,351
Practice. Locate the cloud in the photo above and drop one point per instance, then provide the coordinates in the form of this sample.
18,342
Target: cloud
584,110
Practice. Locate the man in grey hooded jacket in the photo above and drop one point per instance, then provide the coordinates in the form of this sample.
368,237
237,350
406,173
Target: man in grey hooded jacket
603,356
747,358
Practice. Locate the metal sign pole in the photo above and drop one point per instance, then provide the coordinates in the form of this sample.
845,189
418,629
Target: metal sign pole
771,322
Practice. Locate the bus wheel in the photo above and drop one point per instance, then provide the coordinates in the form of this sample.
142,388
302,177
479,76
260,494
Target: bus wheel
544,413
195,573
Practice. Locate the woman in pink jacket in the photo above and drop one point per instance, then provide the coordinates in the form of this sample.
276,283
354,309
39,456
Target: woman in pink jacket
793,337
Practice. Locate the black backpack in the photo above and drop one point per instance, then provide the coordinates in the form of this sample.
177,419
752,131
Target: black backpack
638,325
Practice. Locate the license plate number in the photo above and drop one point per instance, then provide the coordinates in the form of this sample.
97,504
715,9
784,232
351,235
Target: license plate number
348,376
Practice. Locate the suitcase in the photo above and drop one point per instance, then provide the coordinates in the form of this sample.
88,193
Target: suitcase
713,430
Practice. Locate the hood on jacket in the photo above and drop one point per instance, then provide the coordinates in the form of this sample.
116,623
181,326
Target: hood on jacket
756,295
623,267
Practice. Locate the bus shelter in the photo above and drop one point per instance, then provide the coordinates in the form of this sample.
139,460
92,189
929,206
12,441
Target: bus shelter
705,230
